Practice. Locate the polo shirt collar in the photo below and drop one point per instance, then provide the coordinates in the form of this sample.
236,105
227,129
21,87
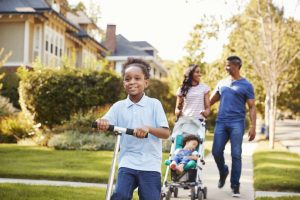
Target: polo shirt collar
142,101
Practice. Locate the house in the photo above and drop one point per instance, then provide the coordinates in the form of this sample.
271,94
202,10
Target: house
120,49
48,30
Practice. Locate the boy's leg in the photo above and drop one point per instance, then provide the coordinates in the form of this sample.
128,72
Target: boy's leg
236,139
126,183
149,183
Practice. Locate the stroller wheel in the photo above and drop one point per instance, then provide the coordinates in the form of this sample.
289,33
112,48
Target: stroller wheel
205,192
168,196
162,195
193,195
199,194
175,192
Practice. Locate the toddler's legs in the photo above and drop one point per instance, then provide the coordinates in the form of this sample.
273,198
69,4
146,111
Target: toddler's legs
173,165
180,167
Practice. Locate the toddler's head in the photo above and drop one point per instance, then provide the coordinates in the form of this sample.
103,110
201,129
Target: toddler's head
191,141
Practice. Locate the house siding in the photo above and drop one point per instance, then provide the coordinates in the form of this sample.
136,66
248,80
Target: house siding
12,39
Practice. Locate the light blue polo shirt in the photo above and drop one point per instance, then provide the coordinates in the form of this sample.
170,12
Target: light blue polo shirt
139,154
233,97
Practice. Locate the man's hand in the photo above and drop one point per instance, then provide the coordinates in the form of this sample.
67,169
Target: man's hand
252,133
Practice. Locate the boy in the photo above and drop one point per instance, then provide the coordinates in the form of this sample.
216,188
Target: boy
140,157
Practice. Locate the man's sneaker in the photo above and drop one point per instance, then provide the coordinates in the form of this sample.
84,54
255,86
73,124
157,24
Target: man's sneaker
223,179
235,191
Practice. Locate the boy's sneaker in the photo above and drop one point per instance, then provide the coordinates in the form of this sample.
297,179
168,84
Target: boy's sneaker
223,179
235,191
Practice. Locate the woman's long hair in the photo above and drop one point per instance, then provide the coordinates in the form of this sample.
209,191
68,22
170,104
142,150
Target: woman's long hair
188,78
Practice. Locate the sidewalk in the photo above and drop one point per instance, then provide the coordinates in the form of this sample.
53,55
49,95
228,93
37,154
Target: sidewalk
211,176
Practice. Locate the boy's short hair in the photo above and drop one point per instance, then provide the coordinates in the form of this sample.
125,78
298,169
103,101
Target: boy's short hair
142,64
189,138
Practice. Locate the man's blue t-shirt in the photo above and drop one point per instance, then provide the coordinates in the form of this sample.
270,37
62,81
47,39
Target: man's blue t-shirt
233,97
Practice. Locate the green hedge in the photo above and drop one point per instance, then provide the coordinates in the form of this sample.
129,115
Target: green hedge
10,88
53,95
160,90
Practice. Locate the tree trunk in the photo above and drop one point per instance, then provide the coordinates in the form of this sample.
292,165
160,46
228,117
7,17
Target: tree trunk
272,122
267,114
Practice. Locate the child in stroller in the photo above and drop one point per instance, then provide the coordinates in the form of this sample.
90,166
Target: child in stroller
190,178
183,156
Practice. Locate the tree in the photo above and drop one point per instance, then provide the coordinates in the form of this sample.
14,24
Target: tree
271,44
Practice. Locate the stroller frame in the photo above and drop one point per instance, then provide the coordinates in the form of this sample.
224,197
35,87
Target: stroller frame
190,179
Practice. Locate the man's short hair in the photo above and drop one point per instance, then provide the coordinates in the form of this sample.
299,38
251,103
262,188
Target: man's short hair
236,60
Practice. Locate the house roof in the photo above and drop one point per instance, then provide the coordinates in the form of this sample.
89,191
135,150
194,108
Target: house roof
126,48
142,44
40,6
79,18
11,5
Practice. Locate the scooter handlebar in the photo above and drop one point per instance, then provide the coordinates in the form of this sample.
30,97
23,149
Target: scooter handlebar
128,131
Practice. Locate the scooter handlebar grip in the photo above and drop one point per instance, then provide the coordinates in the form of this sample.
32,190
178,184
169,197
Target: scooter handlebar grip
94,124
111,128
129,131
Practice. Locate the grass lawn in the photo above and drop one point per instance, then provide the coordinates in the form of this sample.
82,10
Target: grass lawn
45,163
279,198
35,192
276,170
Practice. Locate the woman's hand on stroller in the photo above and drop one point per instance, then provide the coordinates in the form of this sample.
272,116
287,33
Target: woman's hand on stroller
102,124
141,132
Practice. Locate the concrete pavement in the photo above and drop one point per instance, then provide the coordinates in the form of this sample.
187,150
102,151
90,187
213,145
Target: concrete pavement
287,132
211,176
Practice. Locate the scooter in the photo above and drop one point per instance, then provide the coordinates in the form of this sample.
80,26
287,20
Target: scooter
118,132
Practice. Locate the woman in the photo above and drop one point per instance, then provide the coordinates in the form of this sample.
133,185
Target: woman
193,96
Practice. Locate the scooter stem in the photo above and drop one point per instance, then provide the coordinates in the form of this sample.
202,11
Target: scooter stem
109,188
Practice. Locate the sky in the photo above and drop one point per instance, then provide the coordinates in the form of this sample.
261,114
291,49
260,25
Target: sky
166,24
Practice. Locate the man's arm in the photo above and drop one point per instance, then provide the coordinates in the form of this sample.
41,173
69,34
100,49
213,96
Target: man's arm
252,113
214,98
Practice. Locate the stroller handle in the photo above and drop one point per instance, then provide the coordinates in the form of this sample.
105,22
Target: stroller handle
118,129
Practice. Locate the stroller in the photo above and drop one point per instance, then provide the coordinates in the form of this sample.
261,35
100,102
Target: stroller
191,177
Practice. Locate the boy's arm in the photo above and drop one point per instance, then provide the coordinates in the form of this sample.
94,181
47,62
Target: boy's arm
162,132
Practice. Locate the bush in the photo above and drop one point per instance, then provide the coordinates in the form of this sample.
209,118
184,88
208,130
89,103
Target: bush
14,128
52,95
77,141
81,122
160,90
10,88
6,108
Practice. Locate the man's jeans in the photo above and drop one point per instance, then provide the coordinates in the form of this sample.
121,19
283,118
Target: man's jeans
234,132
148,183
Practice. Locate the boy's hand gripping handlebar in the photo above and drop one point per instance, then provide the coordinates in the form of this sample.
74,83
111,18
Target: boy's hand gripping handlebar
114,128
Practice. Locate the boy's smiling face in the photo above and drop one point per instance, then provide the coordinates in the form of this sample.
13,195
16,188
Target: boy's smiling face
134,83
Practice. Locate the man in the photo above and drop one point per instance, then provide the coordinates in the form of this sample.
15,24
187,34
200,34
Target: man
233,92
